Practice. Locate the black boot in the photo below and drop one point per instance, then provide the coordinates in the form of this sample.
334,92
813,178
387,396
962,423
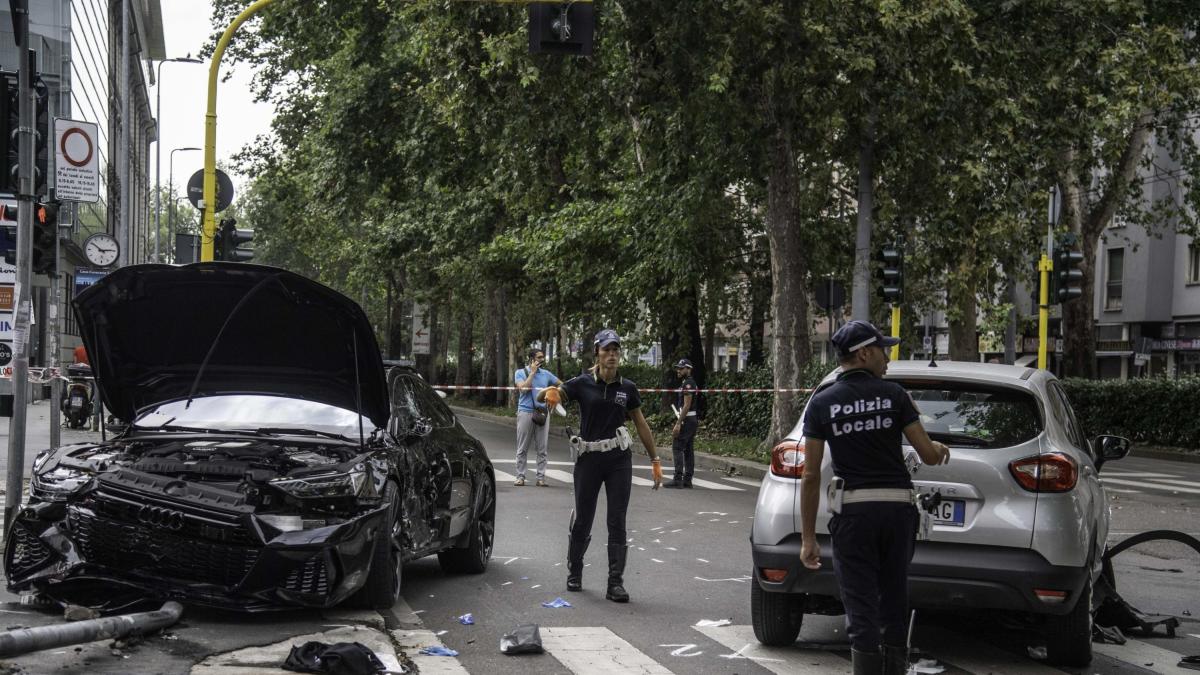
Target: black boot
866,663
895,660
575,550
616,570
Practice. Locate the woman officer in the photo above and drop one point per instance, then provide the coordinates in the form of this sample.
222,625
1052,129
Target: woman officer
603,445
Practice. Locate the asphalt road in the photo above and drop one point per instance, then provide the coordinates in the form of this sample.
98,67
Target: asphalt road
689,561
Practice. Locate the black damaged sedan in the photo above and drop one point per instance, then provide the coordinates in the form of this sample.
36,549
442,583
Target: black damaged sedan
265,457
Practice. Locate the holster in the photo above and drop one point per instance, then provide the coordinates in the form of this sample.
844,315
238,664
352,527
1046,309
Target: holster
834,493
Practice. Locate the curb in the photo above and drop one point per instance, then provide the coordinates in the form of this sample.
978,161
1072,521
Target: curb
729,466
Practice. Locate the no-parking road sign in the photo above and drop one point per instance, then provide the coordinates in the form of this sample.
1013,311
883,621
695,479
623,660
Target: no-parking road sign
77,161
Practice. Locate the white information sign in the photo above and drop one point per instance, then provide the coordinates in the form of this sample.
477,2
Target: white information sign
77,161
420,332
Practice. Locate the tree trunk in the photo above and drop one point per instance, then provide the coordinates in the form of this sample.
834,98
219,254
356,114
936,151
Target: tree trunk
1079,329
503,377
760,301
466,355
790,346
964,338
860,300
491,330
710,331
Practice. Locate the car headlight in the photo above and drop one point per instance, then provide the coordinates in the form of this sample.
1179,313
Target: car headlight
57,485
338,484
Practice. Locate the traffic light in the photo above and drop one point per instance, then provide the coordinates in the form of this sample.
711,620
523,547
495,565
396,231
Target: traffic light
565,29
10,117
1068,277
892,274
45,239
227,241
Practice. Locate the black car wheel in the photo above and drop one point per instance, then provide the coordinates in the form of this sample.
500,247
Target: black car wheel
776,616
473,558
382,588
1069,637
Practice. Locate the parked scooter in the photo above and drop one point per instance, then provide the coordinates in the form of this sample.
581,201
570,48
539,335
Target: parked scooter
76,404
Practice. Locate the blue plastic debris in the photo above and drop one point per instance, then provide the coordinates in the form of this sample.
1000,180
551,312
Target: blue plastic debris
556,603
437,651
524,578
466,620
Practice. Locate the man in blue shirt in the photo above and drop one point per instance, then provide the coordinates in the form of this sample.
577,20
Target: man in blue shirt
533,418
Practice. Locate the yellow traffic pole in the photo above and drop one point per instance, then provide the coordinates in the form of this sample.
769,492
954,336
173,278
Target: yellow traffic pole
209,225
1045,266
895,331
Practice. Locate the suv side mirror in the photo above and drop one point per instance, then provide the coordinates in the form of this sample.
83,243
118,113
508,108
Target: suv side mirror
1112,447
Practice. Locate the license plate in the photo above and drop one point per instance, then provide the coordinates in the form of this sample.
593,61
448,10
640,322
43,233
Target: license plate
950,512
77,400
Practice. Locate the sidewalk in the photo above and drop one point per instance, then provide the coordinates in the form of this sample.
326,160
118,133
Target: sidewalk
730,466
37,435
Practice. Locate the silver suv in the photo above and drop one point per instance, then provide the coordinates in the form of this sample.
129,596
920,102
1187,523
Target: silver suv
1021,525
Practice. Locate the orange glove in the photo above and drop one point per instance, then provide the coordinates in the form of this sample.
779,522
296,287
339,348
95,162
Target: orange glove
656,467
552,397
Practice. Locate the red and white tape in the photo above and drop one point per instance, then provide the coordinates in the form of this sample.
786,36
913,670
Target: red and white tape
722,390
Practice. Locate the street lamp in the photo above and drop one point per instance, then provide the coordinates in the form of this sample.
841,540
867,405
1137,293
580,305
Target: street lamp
158,148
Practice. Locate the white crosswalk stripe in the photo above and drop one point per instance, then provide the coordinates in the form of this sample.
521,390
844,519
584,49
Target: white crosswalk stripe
568,478
598,651
745,647
1136,474
1148,485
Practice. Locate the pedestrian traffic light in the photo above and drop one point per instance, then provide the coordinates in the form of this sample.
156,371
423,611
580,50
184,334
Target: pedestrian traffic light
565,29
10,118
8,233
229,239
892,273
45,239
1067,275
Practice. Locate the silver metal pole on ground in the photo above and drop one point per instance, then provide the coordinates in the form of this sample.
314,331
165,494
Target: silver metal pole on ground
25,640
21,317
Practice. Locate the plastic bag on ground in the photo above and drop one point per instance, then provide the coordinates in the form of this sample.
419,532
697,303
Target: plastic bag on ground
556,603
524,639
437,651
467,619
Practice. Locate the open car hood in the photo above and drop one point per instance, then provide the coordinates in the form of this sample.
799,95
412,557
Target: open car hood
264,330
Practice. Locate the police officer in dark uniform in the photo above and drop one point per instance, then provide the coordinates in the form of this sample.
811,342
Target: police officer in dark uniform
603,445
862,417
684,432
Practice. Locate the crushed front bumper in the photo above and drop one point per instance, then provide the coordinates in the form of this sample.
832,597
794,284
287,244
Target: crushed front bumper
941,576
82,551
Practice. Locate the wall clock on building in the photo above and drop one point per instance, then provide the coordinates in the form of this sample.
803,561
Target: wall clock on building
101,249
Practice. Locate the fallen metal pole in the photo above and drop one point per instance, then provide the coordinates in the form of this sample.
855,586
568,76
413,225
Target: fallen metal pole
25,640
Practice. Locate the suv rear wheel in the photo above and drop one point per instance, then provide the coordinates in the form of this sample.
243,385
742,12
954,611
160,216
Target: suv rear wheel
1069,637
777,616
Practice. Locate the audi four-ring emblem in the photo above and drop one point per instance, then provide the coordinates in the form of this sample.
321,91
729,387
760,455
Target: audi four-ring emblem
157,515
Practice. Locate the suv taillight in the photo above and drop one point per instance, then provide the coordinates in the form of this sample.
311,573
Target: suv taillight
787,459
1053,472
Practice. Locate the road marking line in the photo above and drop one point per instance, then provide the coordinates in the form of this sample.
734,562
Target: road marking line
743,481
1122,490
1187,483
564,476
714,486
502,476
638,480
1136,474
597,650
513,461
1143,484
1136,652
789,660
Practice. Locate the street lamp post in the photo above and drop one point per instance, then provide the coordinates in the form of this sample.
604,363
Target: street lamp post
158,149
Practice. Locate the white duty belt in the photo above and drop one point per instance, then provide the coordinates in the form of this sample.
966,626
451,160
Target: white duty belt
902,495
622,441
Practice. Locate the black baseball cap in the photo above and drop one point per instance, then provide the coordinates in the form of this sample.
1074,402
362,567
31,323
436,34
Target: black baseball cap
606,337
684,363
858,334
